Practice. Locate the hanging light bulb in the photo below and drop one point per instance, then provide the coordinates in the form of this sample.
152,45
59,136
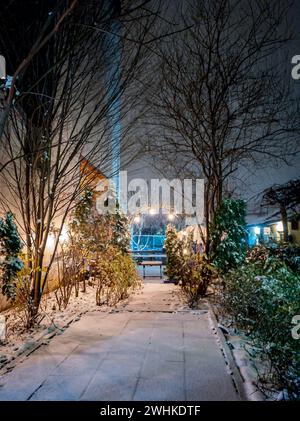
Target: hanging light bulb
137,219
257,230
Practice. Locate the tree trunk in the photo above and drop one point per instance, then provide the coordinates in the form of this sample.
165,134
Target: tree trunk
207,218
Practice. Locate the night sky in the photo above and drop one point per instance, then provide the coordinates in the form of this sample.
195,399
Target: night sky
251,180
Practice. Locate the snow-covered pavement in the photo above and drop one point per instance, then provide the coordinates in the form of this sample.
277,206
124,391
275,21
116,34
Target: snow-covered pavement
152,348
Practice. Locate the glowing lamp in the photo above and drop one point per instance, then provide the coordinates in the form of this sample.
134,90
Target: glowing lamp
279,226
63,235
50,242
257,230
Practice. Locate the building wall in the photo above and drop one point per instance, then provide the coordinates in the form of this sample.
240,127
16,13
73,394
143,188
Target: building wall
269,233
295,233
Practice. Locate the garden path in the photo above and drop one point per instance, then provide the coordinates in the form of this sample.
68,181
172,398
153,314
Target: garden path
150,348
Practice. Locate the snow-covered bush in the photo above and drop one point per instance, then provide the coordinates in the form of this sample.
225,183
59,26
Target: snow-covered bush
115,275
196,275
190,270
11,246
174,248
289,254
228,233
98,249
263,297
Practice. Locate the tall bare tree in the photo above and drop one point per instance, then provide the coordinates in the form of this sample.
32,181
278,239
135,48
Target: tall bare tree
70,97
223,100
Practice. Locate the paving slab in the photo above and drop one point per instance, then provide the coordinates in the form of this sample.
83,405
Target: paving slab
150,349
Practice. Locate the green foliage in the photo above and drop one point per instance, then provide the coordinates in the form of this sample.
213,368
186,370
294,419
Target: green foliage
263,296
101,243
288,254
83,209
116,275
11,246
196,275
191,270
93,232
174,254
120,233
228,234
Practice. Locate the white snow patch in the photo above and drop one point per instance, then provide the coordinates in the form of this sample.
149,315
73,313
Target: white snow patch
18,339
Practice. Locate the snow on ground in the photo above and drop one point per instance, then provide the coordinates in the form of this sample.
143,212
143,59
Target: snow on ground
51,320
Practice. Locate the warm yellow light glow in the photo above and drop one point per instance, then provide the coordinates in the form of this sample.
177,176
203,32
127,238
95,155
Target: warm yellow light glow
63,235
50,242
152,211
52,238
137,219
185,251
279,226
171,217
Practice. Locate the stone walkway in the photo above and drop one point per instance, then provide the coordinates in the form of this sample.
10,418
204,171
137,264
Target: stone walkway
149,349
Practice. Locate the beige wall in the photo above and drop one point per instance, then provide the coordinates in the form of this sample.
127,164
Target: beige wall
278,235
294,233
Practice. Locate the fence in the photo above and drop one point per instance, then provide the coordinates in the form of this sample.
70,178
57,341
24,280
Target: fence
147,242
